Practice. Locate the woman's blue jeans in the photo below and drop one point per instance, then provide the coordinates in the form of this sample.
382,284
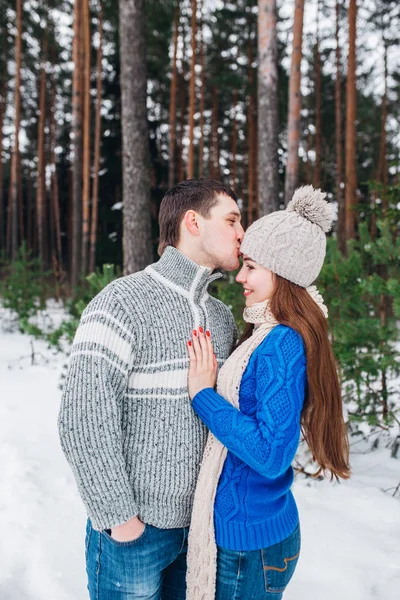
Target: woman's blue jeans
152,567
257,574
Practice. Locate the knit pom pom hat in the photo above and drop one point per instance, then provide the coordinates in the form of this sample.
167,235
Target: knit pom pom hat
292,242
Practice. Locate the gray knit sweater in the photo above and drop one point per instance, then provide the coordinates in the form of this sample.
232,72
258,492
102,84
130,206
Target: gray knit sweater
126,423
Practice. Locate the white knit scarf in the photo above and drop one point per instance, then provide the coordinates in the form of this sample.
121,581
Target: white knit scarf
202,549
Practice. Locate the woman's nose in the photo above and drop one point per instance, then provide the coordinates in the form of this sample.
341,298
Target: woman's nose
240,278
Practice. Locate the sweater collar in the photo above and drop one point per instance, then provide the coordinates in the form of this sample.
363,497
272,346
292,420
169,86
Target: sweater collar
180,271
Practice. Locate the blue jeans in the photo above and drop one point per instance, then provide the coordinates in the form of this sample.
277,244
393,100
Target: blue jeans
152,567
257,574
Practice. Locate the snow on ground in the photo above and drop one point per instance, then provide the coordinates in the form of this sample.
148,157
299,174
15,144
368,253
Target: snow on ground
350,531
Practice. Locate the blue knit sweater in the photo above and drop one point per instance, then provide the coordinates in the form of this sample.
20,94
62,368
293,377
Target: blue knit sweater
254,507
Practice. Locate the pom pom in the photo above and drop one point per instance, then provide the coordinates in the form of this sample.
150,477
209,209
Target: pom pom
311,204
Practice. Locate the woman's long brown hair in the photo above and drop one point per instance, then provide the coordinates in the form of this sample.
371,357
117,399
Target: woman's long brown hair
322,419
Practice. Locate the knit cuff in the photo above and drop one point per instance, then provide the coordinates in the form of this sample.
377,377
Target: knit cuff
206,402
106,517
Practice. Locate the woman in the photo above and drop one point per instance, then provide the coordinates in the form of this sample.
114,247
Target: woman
244,540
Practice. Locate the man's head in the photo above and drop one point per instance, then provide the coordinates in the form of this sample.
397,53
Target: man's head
201,218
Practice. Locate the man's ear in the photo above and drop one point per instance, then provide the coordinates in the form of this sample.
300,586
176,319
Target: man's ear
190,221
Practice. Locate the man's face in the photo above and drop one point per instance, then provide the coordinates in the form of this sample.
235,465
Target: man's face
221,234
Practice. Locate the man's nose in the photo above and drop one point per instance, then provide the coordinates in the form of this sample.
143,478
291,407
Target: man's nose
240,233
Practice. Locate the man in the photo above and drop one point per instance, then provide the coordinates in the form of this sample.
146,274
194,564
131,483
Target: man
126,423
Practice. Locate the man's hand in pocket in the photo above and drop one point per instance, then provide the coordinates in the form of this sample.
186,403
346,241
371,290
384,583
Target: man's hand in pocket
129,531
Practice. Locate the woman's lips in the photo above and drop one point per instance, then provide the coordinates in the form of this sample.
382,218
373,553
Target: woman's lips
247,292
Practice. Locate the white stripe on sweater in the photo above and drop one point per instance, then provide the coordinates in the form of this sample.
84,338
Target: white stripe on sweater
103,313
165,363
172,380
160,396
96,333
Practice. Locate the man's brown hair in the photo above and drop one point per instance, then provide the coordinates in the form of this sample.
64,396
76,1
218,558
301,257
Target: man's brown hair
193,194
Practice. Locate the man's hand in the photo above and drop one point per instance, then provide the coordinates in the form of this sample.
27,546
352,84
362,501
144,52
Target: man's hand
129,531
203,366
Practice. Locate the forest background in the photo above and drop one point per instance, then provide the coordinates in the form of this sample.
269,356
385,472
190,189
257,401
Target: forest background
105,105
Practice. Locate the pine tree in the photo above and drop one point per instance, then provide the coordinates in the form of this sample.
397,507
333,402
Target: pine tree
172,103
41,183
86,46
268,107
318,148
97,143
76,211
136,180
339,137
3,105
192,93
351,169
13,213
292,168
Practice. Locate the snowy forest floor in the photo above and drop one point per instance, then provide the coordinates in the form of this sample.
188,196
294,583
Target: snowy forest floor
350,531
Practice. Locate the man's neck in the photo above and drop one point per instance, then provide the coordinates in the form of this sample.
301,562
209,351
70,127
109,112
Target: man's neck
194,255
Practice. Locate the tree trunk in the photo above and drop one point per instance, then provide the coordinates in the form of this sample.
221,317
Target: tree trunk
76,209
54,179
382,171
41,184
255,160
86,136
3,105
29,211
339,141
182,110
234,142
292,168
382,164
202,99
309,146
9,220
20,202
192,93
214,150
96,165
268,170
137,242
250,133
3,101
172,104
351,171
15,150
317,171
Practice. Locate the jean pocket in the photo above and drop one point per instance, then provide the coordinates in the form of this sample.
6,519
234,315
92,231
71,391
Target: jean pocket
107,534
279,562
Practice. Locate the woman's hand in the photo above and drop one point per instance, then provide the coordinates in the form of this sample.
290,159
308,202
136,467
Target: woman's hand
203,365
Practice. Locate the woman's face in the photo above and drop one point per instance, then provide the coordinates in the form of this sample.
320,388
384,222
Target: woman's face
258,282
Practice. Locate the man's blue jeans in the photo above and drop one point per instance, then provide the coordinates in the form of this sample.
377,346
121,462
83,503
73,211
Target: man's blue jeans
152,567
257,574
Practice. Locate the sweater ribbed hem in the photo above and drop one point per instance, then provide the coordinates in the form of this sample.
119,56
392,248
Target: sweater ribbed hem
241,536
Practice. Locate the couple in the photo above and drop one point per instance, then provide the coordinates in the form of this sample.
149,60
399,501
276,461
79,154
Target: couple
155,447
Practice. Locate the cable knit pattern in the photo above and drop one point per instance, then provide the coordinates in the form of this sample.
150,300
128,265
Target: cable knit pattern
292,242
265,378
126,422
264,437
